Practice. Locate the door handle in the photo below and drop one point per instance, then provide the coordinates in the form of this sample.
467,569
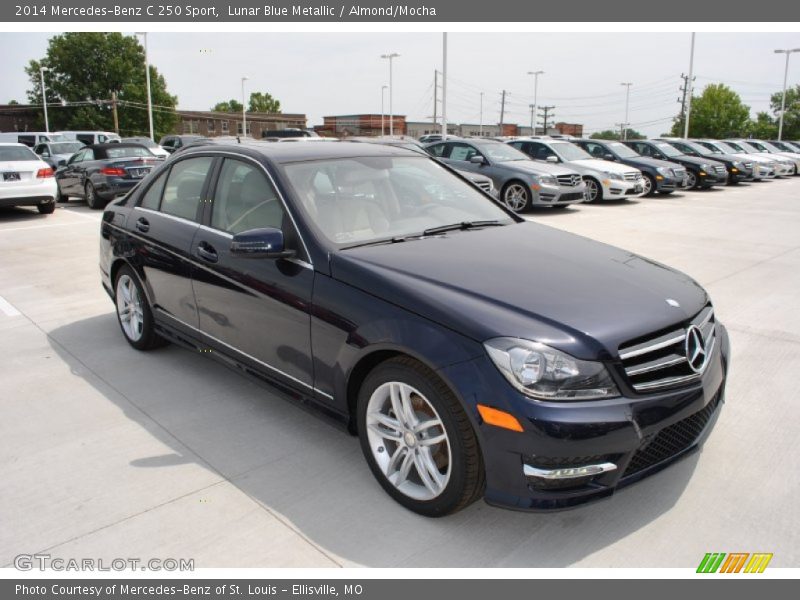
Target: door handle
142,225
207,252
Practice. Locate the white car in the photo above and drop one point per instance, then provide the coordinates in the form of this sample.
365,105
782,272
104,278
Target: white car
604,180
149,144
771,148
784,166
25,179
763,167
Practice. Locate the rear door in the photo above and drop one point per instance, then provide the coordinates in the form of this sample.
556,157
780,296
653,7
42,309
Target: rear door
258,307
163,225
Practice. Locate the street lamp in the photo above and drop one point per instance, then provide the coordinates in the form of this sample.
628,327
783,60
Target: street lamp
44,99
147,79
390,57
244,109
783,99
383,112
627,100
480,127
535,98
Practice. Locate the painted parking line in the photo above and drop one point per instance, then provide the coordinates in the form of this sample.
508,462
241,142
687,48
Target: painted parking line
8,309
48,226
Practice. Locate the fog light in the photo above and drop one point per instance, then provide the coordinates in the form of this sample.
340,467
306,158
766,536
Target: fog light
568,472
659,177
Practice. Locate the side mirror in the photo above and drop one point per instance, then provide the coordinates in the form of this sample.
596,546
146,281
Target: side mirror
552,158
608,157
478,160
260,243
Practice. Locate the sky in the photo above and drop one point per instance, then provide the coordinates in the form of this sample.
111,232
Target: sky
342,73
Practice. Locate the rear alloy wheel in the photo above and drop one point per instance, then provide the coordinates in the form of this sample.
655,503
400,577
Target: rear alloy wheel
133,312
417,440
592,190
91,196
517,196
691,180
648,183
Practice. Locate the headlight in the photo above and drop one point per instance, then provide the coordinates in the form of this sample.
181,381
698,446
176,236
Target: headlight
547,180
545,373
617,176
705,167
665,171
738,165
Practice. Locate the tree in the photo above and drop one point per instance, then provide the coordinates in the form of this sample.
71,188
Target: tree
228,106
764,127
791,120
615,134
85,70
717,113
12,102
263,103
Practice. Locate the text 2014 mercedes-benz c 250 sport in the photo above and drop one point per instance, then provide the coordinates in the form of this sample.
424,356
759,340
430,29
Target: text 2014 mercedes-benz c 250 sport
475,354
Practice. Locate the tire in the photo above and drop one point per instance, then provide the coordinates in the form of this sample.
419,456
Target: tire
61,197
594,191
649,185
665,192
131,302
516,196
456,451
92,199
560,206
691,180
46,209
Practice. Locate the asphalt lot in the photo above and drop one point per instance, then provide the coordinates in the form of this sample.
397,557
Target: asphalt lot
107,452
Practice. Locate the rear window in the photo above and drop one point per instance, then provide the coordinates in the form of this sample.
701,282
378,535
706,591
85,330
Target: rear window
9,153
125,152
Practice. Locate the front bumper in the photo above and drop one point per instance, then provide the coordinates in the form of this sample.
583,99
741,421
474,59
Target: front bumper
670,183
550,195
622,188
637,434
710,178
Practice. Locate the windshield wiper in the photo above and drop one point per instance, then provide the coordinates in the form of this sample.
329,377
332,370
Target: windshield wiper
463,226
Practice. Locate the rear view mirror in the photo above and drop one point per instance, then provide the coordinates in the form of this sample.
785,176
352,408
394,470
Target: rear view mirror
478,160
260,243
552,158
608,157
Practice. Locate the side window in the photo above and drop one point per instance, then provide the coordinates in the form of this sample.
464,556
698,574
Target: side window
41,150
28,140
522,147
152,197
439,150
85,138
596,150
462,152
539,151
102,139
88,154
642,149
184,185
244,199
77,157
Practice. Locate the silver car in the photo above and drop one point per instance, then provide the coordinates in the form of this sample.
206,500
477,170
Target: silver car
522,183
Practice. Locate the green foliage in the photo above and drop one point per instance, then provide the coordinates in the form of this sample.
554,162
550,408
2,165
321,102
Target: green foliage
228,106
763,128
12,102
91,67
263,103
717,113
614,134
791,120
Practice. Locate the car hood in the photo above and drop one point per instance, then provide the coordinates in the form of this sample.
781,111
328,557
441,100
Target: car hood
536,167
600,165
646,161
525,280
757,158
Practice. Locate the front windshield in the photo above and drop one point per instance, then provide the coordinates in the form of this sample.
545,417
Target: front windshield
623,151
784,146
771,147
700,149
760,146
356,201
499,152
66,147
568,151
748,148
729,148
668,149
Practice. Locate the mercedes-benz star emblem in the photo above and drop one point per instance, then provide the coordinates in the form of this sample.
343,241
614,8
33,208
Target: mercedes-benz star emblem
695,349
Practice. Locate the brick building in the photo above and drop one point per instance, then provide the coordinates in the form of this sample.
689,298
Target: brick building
212,124
575,129
361,125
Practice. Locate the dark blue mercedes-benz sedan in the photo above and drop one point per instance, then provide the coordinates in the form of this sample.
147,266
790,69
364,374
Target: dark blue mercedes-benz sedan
473,353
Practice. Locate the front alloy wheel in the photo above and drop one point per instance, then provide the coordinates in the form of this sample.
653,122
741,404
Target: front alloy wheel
648,184
592,190
417,439
691,180
517,197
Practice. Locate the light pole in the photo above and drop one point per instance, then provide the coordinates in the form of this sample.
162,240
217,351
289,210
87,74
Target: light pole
444,86
244,109
147,80
383,112
783,99
689,91
390,57
480,127
535,98
627,100
44,99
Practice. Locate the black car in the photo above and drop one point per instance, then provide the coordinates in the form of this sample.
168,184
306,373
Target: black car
660,176
171,143
101,172
57,154
701,173
374,284
738,168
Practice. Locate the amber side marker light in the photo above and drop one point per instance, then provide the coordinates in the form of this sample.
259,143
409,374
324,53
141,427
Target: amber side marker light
499,418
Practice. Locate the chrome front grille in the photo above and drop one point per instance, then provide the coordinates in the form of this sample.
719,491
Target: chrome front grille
748,165
633,176
680,173
720,170
570,180
662,362
486,186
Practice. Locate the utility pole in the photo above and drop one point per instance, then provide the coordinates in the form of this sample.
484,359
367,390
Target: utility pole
689,92
502,111
147,80
535,97
390,57
435,95
546,111
114,112
682,99
783,98
621,130
627,103
480,127
444,86
44,99
383,112
533,122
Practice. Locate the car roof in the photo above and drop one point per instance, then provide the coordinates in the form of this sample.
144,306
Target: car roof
13,144
114,145
289,153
